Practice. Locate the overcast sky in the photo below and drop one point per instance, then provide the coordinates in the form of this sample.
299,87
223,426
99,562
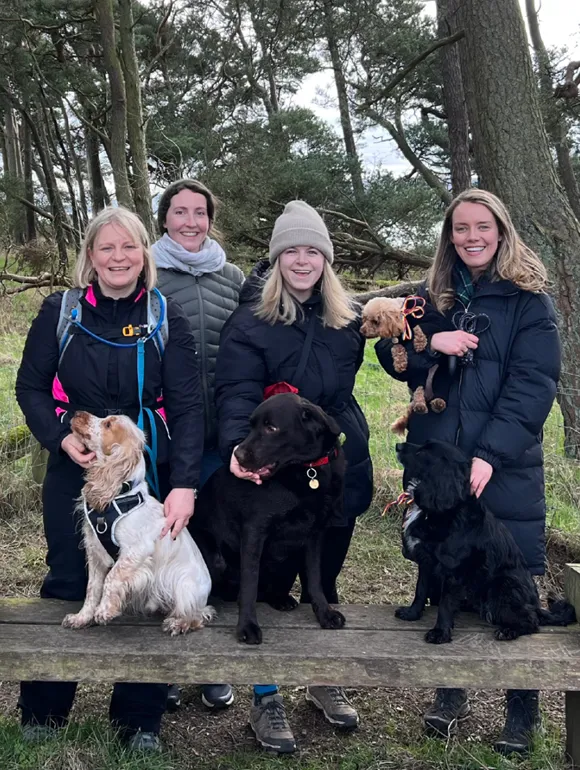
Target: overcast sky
560,26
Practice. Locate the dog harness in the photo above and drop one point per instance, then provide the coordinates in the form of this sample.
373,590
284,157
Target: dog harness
104,522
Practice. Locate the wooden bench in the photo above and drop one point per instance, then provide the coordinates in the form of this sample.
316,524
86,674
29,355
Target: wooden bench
374,649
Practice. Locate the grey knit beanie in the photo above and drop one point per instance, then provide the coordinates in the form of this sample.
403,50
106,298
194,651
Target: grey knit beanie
300,225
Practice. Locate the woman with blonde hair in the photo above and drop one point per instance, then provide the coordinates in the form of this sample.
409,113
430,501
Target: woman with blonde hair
297,328
81,353
503,361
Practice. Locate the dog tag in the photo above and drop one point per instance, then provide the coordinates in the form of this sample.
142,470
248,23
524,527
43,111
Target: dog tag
313,483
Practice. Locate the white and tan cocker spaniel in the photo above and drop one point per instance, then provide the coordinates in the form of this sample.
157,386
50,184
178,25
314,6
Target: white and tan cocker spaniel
149,574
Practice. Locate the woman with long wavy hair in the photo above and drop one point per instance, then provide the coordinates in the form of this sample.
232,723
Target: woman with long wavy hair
502,363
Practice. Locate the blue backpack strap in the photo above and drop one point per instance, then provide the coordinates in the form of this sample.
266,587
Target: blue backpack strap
70,301
157,319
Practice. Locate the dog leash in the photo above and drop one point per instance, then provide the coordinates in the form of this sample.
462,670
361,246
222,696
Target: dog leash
413,306
403,499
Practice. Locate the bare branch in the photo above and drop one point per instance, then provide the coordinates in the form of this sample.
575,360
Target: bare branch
400,290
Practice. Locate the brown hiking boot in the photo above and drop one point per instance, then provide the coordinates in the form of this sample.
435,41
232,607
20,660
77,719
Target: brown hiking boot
270,725
334,705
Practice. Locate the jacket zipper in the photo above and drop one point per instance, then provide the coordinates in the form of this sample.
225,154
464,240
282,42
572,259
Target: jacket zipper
457,433
202,351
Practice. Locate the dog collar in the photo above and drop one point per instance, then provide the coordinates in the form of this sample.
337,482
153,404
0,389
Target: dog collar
313,482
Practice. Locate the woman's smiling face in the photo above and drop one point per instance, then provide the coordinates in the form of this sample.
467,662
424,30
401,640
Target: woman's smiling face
475,235
301,268
117,260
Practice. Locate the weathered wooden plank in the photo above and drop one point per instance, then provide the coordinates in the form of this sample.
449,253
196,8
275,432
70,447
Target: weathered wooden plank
359,617
573,727
289,656
572,585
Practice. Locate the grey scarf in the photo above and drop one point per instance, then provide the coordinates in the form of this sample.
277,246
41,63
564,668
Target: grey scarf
169,254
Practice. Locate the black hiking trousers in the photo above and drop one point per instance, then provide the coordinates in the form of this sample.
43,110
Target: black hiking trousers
133,707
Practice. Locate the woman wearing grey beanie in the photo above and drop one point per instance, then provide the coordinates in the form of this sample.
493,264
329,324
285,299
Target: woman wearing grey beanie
298,317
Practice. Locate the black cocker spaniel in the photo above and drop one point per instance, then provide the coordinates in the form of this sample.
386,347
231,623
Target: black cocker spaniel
464,552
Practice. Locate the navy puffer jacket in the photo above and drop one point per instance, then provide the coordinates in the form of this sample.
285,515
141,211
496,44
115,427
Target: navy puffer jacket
254,354
497,408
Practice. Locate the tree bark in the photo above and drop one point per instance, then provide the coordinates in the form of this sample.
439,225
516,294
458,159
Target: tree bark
31,233
106,22
341,90
98,191
555,123
514,161
454,98
135,125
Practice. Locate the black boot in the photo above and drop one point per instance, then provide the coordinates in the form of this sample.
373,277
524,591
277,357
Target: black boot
450,705
522,721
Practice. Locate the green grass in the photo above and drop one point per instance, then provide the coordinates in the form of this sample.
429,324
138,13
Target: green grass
390,736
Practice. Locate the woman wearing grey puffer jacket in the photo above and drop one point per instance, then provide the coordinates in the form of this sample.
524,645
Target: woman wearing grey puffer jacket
192,269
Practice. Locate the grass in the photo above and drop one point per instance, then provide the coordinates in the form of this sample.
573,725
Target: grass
390,736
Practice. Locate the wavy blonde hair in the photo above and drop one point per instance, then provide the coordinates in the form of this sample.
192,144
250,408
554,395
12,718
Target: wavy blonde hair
85,274
277,304
513,261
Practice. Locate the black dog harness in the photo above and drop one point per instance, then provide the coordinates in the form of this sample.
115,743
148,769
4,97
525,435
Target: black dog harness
104,522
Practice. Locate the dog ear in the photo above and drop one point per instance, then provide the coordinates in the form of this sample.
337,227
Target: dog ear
315,415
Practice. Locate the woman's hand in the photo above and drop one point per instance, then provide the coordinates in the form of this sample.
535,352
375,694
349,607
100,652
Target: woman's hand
480,474
454,343
178,510
77,451
241,472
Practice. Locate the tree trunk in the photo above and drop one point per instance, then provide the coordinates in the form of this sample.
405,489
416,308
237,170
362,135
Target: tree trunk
141,191
555,123
514,161
98,191
454,98
345,120
31,233
106,22
84,214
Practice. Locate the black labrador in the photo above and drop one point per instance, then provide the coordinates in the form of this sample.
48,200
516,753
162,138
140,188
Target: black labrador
464,551
253,536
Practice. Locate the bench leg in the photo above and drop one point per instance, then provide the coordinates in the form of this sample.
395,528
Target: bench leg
573,727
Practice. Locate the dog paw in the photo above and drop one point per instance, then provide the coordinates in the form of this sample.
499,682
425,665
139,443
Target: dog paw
408,613
77,620
437,405
177,626
331,619
283,603
505,634
438,636
250,633
420,408
104,615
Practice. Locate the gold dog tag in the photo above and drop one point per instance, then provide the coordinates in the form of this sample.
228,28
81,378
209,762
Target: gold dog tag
313,483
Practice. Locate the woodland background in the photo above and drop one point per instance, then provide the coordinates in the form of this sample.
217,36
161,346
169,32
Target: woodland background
104,102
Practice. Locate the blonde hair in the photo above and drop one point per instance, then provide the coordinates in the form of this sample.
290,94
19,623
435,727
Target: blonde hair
84,271
513,261
277,304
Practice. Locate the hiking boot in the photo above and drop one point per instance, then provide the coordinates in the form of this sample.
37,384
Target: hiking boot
217,696
334,705
522,721
143,741
270,725
173,698
449,707
33,733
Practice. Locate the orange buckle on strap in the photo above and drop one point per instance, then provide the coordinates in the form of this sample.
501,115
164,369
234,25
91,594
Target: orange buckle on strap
415,307
129,331
403,499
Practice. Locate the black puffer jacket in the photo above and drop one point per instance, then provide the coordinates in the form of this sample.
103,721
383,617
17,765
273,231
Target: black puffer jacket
497,408
98,377
254,354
